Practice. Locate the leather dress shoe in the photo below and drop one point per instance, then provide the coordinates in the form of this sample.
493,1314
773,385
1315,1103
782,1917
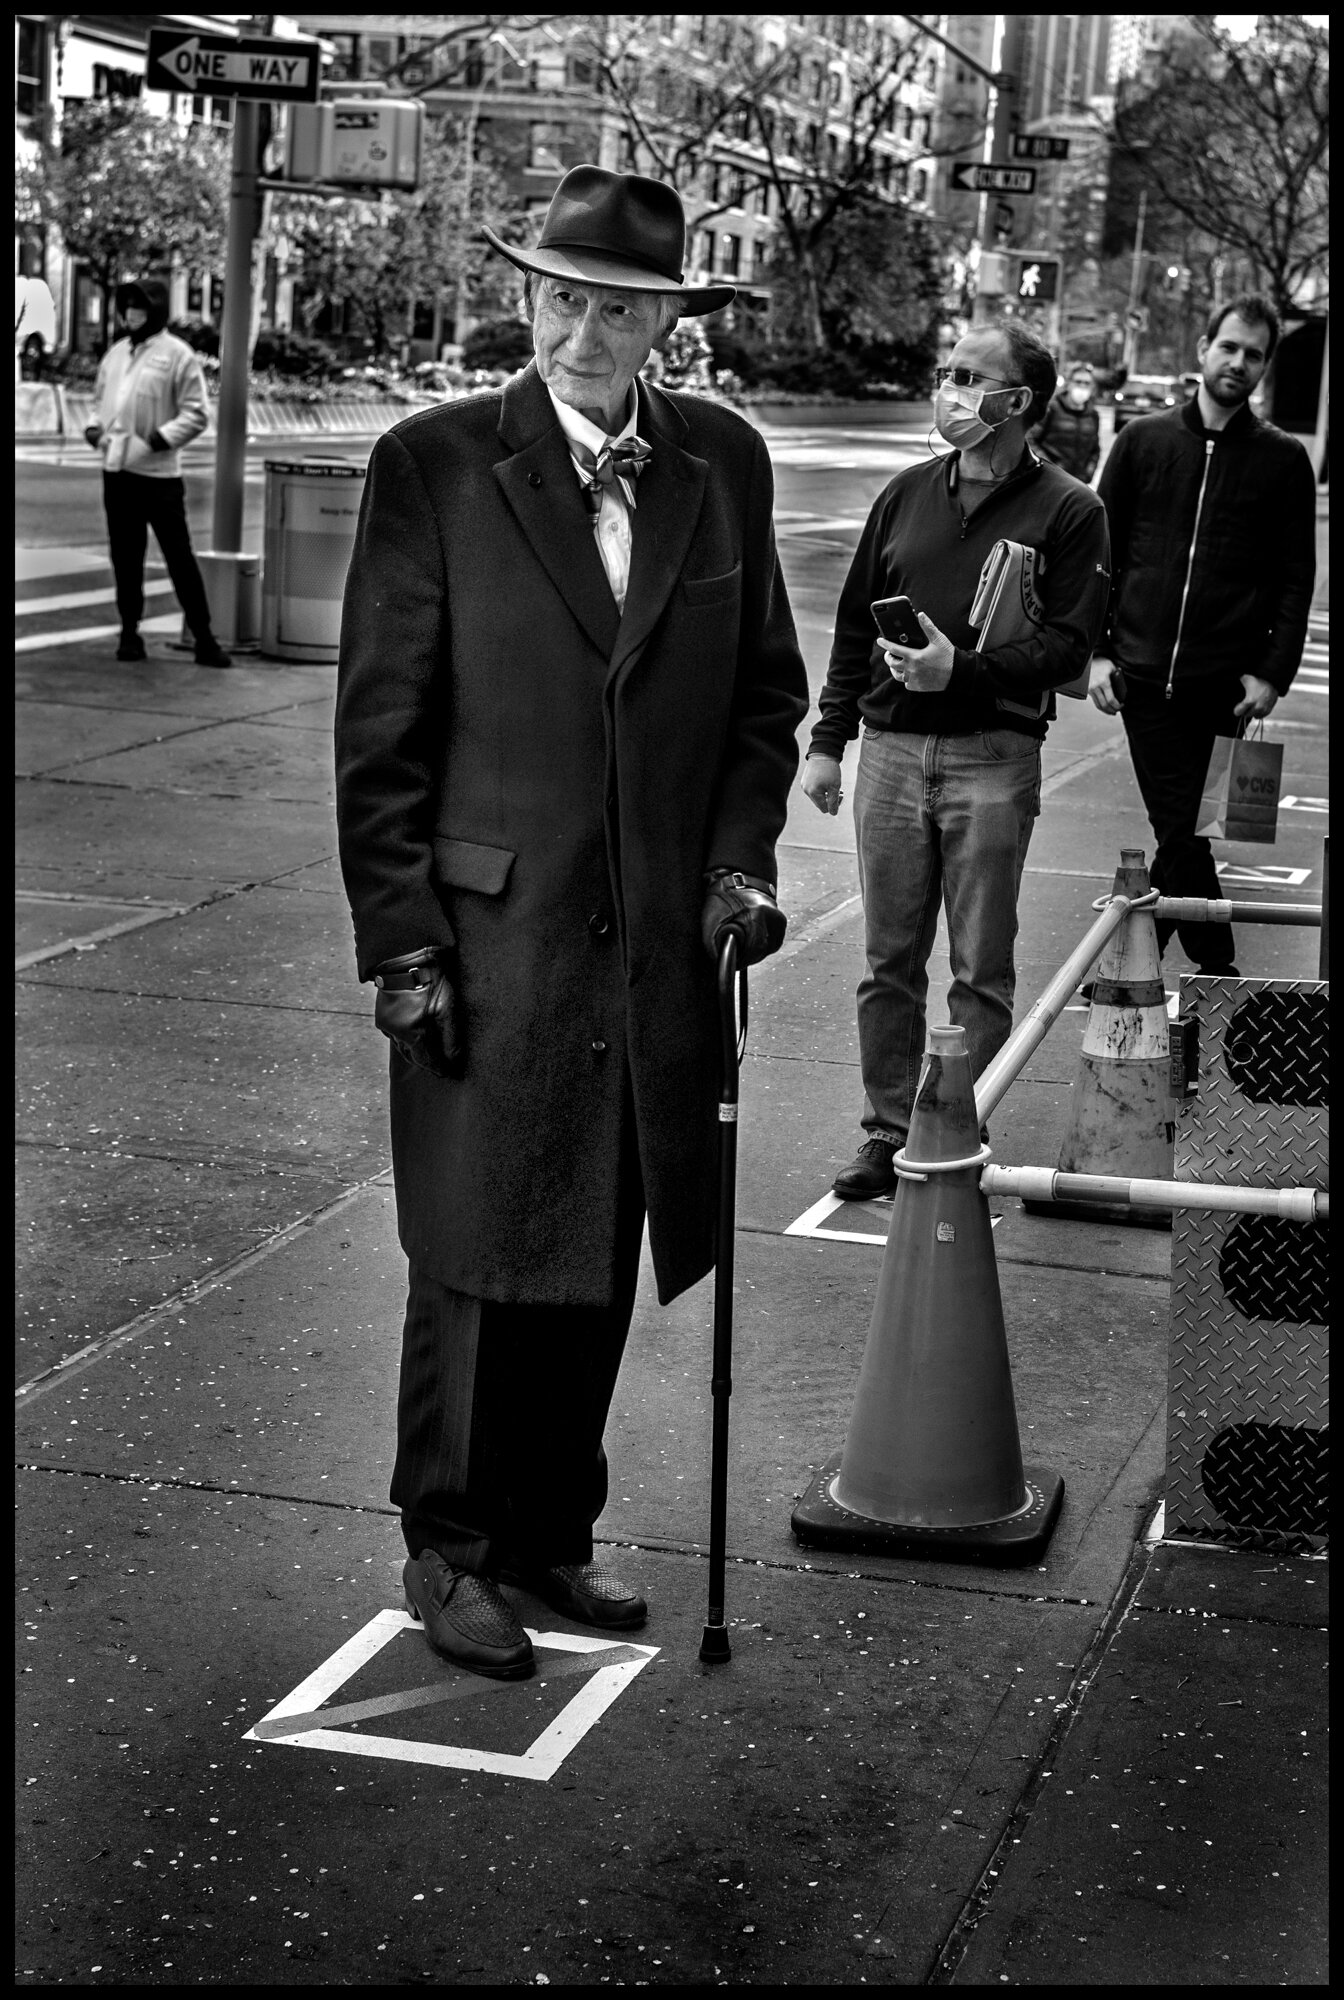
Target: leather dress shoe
209,653
131,646
466,1618
870,1173
584,1591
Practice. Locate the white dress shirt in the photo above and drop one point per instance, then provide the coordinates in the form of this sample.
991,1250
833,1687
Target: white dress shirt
612,525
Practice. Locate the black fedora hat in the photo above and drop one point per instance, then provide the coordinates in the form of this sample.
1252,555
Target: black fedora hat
616,229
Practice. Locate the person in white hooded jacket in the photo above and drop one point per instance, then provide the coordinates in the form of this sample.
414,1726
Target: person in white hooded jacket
149,400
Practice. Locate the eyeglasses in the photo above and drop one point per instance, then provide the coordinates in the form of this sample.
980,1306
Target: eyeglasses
967,378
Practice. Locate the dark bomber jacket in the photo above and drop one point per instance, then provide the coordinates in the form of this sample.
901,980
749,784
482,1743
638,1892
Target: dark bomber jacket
917,544
1234,511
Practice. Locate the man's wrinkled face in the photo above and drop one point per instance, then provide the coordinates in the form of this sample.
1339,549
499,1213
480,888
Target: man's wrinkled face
1234,360
591,341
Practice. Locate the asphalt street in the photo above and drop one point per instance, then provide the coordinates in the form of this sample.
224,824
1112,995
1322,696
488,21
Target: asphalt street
1106,1769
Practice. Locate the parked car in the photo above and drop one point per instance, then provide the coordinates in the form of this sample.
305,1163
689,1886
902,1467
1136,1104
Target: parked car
1140,395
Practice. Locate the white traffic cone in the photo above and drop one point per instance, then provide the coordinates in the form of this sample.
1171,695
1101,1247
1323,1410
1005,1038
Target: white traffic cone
1121,1119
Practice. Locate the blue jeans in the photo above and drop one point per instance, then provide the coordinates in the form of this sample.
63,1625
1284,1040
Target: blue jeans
945,817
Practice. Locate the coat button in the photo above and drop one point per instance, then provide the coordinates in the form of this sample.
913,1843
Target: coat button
534,479
599,1048
598,924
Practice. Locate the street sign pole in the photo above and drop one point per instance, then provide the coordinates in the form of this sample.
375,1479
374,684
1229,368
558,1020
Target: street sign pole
984,310
231,438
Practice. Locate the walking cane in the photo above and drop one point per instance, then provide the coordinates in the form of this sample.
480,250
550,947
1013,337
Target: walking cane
714,1647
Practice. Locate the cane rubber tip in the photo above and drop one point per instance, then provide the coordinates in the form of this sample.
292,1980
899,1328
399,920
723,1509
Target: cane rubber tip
714,1647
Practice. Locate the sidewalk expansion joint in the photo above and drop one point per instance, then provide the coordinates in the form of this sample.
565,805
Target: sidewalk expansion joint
189,1294
944,1966
156,1483
142,791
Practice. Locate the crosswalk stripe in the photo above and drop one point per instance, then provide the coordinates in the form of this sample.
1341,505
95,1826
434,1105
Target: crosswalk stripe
38,642
78,600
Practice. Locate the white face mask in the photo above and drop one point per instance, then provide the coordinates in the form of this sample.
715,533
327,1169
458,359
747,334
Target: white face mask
957,418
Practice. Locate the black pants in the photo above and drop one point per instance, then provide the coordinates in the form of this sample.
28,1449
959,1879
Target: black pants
134,504
1170,743
501,1411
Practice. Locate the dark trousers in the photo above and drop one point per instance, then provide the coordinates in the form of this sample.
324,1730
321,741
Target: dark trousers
134,504
1170,743
501,1412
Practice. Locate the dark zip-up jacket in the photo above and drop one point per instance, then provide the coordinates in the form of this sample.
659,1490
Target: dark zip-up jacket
917,543
1213,542
1069,436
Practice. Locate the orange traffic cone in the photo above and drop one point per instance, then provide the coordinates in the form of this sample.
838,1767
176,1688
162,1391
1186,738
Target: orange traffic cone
932,1464
1121,1119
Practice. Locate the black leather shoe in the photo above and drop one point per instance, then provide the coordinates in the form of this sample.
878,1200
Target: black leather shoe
209,653
131,646
870,1173
466,1618
585,1591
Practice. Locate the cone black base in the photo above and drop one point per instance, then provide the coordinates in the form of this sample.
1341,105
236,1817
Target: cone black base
1100,1211
819,1522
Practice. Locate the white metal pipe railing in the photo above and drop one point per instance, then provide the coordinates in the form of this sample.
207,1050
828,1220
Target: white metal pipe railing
1294,1204
997,1078
1196,910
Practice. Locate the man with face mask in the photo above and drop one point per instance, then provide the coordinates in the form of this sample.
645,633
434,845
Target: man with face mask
950,768
1213,525
1069,434
149,400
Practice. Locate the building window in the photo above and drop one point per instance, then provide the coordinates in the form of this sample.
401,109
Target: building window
344,65
30,51
921,186
732,255
544,149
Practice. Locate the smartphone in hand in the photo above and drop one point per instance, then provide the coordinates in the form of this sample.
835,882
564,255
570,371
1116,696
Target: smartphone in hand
895,617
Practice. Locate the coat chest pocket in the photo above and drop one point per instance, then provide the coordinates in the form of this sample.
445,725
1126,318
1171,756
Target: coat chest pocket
713,589
466,864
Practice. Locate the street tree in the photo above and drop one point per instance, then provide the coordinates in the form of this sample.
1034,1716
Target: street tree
382,254
730,120
128,192
1235,139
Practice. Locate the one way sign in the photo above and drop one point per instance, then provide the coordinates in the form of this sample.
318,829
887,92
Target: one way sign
260,67
993,176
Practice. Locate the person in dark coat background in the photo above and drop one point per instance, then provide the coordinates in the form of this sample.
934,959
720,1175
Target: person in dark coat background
1069,434
1213,536
569,691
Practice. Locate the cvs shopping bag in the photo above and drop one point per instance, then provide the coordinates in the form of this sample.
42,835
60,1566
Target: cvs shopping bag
1241,791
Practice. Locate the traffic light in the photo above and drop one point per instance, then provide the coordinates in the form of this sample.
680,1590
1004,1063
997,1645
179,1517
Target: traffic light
1036,279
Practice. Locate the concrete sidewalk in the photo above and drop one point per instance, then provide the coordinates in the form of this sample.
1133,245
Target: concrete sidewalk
1108,1768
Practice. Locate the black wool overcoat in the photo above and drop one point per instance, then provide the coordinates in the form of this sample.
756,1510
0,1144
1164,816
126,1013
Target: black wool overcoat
540,782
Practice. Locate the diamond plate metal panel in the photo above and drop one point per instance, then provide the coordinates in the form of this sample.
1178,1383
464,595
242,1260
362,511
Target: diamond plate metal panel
1248,1388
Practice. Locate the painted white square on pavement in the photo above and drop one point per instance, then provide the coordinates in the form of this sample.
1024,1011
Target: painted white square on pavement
541,1760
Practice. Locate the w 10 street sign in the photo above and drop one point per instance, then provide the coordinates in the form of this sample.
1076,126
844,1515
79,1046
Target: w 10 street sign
993,176
254,66
1039,146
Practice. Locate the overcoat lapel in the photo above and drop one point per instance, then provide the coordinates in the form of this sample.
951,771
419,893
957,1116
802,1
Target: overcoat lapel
539,484
669,496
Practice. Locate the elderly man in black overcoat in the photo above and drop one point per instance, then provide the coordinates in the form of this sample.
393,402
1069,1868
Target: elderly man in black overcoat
568,698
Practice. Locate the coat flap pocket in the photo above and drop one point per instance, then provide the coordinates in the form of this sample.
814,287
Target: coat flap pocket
465,864
711,589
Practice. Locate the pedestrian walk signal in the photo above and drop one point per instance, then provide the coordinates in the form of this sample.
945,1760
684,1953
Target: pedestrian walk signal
1037,280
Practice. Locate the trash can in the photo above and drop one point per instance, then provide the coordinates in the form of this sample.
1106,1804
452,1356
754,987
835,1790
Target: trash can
312,507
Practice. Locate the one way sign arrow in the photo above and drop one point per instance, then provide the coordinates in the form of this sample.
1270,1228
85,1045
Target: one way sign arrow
993,176
259,67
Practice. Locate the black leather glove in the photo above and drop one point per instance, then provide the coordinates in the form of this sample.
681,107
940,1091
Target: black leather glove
748,904
416,1009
